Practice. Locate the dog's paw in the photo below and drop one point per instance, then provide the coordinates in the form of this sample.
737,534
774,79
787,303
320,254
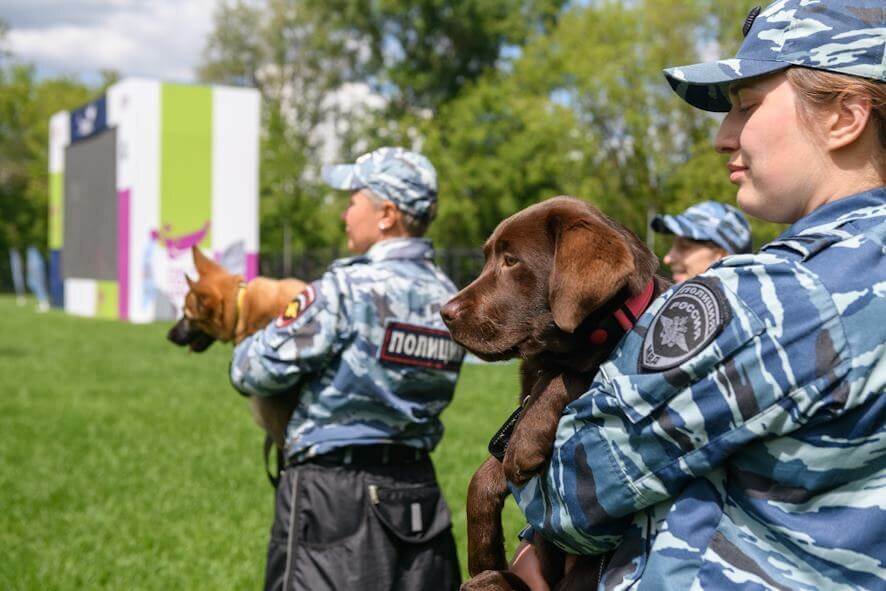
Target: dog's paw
494,580
522,463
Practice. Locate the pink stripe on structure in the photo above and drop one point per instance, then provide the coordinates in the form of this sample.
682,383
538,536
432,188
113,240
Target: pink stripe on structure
123,254
251,266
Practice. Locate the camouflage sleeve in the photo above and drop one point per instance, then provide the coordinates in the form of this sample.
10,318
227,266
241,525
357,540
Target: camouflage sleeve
751,350
298,343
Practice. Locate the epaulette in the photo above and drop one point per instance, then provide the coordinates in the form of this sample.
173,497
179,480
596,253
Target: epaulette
804,246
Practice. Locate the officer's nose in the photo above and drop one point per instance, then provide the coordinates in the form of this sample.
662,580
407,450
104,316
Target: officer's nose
451,311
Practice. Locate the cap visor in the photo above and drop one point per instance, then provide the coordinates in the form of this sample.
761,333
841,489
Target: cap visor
705,86
679,225
665,224
340,176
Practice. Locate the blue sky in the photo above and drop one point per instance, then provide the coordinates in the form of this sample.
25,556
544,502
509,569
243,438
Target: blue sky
153,38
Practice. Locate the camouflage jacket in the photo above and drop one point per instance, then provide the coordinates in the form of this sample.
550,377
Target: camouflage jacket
736,438
367,348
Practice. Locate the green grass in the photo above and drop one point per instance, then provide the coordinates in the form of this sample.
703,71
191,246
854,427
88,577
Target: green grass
127,463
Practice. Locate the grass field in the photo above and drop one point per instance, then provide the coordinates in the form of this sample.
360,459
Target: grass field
127,463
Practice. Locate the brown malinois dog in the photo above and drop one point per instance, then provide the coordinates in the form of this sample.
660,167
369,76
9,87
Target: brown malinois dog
221,306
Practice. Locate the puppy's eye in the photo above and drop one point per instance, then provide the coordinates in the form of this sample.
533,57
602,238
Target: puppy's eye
510,260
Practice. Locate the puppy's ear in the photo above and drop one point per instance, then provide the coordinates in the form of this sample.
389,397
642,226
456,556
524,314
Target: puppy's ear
592,263
202,263
190,281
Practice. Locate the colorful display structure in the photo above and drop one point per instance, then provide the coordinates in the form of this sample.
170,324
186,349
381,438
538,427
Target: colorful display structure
137,177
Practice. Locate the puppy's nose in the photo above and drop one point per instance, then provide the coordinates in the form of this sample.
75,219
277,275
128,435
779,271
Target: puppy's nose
451,311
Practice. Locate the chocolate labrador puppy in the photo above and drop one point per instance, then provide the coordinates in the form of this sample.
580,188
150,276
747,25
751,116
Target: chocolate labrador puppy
562,283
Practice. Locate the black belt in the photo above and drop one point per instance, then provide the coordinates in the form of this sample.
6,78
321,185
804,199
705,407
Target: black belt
368,455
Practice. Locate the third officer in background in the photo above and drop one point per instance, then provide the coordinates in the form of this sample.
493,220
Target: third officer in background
703,234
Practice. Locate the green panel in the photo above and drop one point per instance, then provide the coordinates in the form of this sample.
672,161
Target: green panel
56,210
106,299
186,159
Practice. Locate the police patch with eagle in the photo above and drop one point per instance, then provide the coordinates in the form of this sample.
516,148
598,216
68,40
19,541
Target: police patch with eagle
685,325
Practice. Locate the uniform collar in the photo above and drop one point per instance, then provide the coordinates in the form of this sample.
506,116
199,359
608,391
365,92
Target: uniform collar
836,213
394,248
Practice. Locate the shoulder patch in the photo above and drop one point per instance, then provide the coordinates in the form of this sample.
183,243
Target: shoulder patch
420,346
296,307
685,325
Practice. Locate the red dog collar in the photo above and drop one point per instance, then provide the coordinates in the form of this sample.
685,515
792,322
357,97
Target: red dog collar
626,314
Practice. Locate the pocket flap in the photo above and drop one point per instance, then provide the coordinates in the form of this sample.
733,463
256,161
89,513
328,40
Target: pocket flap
413,514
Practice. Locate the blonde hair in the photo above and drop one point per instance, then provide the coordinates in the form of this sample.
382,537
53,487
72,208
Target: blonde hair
818,89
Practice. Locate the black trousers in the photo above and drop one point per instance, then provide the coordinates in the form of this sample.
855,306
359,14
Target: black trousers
346,527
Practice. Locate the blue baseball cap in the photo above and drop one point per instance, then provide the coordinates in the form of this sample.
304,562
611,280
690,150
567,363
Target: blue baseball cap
721,224
407,179
842,36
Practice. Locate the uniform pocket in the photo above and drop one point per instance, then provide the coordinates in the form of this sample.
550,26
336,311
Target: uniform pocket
413,514
329,513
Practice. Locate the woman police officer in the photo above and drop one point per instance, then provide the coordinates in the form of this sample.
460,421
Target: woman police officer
735,438
358,506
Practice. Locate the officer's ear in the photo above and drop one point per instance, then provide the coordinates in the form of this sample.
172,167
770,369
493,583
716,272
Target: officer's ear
592,262
390,216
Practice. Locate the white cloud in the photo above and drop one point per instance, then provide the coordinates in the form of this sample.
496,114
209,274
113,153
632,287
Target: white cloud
156,38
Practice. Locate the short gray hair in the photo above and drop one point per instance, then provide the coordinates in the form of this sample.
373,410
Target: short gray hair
414,226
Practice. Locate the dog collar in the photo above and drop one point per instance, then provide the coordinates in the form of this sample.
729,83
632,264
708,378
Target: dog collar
632,308
626,313
241,293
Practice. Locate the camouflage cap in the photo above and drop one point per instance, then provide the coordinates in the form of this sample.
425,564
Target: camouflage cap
405,178
721,224
842,36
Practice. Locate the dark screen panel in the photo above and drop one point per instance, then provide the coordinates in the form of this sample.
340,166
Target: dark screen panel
90,240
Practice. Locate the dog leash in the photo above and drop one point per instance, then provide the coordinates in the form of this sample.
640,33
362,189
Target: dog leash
273,477
241,295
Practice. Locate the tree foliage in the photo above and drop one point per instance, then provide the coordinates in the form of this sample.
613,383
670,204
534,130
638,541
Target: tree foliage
585,110
26,104
516,101
421,53
280,48
513,100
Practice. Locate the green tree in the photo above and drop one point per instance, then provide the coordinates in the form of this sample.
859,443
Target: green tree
585,110
417,53
421,53
496,151
279,47
513,100
26,104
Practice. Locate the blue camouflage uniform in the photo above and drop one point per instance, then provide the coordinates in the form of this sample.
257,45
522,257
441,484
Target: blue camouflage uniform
722,224
753,453
367,346
358,506
736,438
